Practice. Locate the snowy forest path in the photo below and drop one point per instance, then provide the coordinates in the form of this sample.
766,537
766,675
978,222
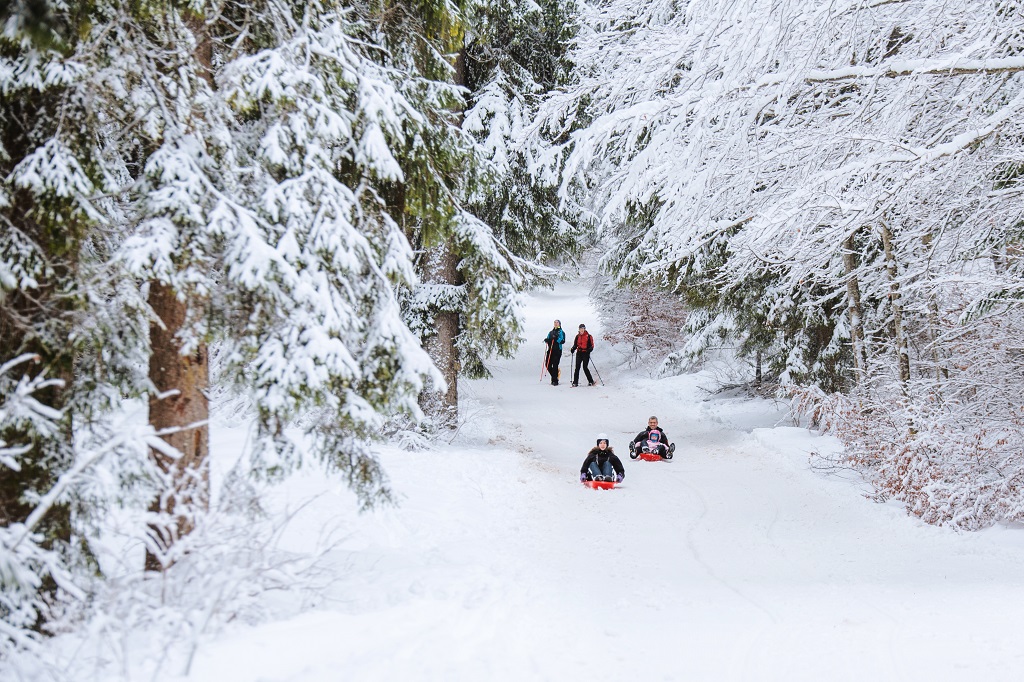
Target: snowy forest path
727,548
733,562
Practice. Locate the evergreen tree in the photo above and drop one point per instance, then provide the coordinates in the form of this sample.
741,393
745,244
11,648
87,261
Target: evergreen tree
48,221
473,267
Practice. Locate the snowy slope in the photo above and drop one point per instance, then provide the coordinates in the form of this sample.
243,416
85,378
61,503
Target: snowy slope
733,562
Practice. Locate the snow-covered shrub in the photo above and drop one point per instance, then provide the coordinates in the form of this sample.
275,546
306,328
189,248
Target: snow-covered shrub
135,624
950,443
646,322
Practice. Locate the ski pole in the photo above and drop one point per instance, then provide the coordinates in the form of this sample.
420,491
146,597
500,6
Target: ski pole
544,367
598,371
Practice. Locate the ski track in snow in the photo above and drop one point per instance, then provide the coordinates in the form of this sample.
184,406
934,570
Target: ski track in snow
734,561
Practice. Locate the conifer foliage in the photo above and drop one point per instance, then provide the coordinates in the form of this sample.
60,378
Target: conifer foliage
234,200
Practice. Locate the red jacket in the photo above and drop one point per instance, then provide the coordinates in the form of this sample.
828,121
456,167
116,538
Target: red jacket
584,341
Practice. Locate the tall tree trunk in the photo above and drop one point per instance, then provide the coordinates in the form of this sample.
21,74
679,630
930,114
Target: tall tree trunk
855,308
896,304
440,269
180,380
933,328
180,402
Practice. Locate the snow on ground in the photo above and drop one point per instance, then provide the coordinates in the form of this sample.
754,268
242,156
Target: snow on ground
735,561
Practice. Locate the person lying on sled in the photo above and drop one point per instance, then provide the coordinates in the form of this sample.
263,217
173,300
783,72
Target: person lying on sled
601,463
653,438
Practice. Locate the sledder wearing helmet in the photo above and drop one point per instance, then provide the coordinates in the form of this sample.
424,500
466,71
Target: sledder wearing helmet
601,463
653,439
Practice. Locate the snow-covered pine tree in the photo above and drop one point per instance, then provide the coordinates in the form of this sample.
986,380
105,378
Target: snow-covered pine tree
466,306
47,174
264,211
63,304
315,264
235,164
516,54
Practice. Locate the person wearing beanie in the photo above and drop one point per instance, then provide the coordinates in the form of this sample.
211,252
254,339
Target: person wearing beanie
554,341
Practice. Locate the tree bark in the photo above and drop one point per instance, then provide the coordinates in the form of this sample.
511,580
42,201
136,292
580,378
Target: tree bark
440,268
180,380
898,332
856,310
933,328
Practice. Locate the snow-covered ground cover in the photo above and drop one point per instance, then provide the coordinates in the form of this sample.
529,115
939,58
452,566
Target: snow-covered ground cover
735,561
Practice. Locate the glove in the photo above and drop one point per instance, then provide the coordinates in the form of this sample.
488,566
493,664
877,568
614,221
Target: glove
619,477
583,478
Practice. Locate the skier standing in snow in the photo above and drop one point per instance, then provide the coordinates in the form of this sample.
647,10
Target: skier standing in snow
554,341
601,463
584,343
644,436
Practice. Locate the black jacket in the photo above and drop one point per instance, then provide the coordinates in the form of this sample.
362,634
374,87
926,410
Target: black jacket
646,434
602,456
557,334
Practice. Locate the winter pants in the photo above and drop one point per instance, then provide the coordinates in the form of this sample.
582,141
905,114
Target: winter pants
606,470
582,358
553,359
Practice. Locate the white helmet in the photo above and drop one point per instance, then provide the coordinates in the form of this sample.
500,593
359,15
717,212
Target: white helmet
602,437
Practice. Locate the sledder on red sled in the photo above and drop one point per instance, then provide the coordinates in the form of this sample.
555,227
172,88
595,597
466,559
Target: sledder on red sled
652,451
651,445
602,469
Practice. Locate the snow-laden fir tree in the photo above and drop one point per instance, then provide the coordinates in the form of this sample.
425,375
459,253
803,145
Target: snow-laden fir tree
55,297
516,55
242,177
474,257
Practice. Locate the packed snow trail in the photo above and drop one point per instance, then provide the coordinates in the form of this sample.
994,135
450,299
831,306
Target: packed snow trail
734,561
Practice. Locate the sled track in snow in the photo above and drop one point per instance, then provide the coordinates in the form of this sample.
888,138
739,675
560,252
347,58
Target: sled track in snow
698,557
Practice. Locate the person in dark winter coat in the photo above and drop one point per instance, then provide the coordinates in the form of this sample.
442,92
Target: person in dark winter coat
554,341
601,463
584,343
644,436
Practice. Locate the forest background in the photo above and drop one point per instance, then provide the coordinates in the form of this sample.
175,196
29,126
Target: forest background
321,215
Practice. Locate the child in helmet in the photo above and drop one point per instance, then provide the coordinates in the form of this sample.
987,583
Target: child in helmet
601,463
654,439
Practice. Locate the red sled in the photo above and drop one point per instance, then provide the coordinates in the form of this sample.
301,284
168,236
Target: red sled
600,485
647,456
